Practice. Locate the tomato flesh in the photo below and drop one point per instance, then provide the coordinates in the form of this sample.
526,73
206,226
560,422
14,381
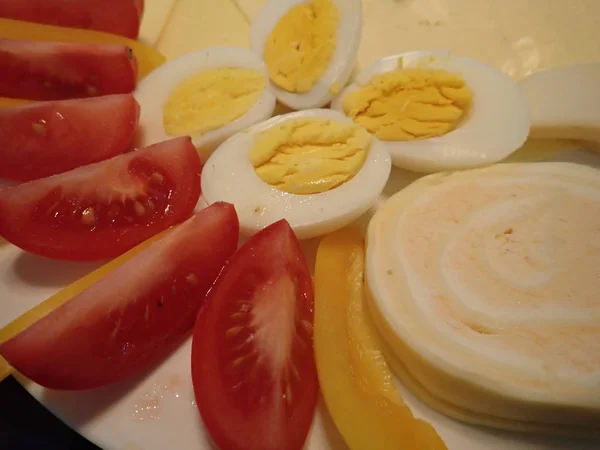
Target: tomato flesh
42,139
102,210
121,17
59,71
253,367
134,316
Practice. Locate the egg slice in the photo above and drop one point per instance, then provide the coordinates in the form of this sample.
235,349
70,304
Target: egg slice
436,111
565,102
309,48
208,95
314,168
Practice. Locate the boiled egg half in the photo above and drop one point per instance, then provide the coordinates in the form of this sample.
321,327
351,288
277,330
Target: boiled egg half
309,48
315,168
208,95
436,111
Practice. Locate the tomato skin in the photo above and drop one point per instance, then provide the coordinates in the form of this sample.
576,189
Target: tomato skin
43,139
252,399
58,71
122,17
47,217
134,316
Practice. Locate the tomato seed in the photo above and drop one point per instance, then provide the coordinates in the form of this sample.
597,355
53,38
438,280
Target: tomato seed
91,90
39,128
233,332
157,178
88,217
192,279
139,208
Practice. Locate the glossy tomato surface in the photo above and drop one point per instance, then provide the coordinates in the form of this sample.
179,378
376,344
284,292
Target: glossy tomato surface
253,367
102,210
42,139
135,315
121,17
58,70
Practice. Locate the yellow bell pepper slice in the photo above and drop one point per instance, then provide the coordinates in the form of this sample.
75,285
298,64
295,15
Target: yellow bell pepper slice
63,296
356,382
6,102
147,58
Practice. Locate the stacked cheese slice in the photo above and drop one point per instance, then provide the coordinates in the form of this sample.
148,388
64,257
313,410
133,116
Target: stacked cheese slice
486,286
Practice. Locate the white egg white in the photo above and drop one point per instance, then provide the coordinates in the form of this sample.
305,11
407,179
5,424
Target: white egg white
340,68
229,176
496,125
153,91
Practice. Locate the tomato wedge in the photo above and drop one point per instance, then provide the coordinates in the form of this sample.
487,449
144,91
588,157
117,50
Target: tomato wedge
121,17
253,366
102,210
133,317
146,57
42,139
58,70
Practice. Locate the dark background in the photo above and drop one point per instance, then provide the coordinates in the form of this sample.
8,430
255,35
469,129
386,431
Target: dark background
26,425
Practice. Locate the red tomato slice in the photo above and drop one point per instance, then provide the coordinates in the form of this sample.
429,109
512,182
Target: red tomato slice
103,209
42,139
63,70
133,317
253,367
112,16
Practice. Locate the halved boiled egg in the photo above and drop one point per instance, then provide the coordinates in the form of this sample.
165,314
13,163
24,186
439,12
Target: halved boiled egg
309,48
436,111
208,95
314,168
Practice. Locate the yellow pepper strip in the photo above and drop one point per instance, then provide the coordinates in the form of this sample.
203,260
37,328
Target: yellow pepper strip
147,58
356,382
7,102
47,306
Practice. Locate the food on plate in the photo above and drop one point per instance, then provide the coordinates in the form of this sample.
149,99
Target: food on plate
253,366
320,172
208,95
6,102
57,71
309,48
147,58
120,17
486,281
355,380
103,209
437,111
134,316
565,102
51,303
42,139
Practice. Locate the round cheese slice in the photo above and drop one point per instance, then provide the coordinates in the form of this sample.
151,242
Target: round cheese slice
486,286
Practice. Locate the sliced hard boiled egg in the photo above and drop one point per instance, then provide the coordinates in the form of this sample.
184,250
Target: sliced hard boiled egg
486,280
208,95
436,111
309,48
565,102
314,168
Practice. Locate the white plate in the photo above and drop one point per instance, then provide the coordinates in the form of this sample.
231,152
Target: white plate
156,410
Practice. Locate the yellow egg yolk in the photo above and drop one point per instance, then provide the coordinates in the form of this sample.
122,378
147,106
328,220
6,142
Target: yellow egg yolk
309,155
409,104
301,45
211,99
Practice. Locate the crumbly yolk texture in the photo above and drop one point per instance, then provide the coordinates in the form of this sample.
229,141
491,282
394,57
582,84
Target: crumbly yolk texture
409,104
311,155
301,46
211,99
